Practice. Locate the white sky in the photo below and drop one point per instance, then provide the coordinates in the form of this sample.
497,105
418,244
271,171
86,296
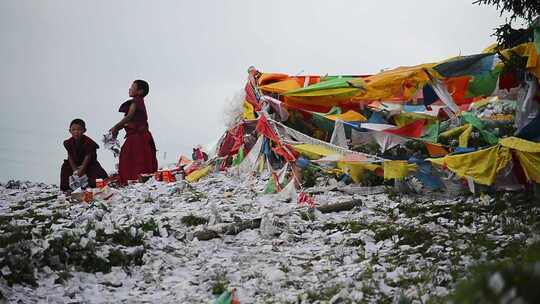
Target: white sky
66,59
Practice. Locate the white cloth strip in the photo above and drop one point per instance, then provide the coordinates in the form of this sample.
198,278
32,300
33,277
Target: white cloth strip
303,138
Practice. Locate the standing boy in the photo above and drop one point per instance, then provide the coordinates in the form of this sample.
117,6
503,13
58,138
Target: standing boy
138,153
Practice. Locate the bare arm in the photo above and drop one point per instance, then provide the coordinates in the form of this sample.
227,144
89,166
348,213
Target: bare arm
131,112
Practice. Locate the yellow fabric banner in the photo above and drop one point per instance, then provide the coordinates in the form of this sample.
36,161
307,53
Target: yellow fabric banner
405,118
483,102
314,151
454,131
397,169
528,154
482,165
249,112
520,144
464,137
348,116
527,50
530,162
356,170
281,86
401,83
198,174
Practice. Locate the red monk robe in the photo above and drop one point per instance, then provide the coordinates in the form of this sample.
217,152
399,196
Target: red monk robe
138,153
77,150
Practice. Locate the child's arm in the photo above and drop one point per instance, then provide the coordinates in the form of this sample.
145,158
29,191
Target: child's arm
131,112
72,163
84,165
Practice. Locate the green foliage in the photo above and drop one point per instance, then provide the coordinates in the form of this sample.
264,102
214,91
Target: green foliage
125,237
150,225
18,260
519,276
195,195
67,250
220,284
527,10
414,236
193,220
385,232
118,257
308,215
309,176
284,268
324,295
351,226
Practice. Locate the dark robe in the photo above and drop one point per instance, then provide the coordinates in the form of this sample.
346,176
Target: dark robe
138,153
77,151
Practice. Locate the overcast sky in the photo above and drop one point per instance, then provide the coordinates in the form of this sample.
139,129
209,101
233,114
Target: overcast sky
66,59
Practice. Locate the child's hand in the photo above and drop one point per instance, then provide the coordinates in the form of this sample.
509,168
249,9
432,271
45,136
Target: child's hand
114,132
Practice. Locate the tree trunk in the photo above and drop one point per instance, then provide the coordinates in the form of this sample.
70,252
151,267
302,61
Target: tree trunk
235,228
337,207
230,229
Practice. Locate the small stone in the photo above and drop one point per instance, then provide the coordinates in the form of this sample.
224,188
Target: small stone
496,283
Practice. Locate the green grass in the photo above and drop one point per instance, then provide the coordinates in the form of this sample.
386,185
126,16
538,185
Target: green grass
193,220
220,284
517,274
325,294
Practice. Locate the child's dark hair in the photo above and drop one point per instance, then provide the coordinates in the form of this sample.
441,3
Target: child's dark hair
142,85
78,121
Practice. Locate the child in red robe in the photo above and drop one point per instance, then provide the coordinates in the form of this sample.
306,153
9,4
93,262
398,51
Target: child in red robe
82,157
138,153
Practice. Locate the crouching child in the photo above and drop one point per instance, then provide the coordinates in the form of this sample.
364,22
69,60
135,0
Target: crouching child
82,157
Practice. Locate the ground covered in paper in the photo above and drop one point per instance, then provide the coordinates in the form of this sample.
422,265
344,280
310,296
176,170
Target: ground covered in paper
141,245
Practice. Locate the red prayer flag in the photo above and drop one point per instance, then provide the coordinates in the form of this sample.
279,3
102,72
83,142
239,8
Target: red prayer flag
263,127
304,198
238,139
414,129
251,98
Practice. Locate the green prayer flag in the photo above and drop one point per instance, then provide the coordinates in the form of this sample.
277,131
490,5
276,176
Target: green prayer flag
477,123
239,157
270,187
431,133
224,298
335,83
483,84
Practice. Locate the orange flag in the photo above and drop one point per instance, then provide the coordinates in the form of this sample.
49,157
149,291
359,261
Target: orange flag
435,150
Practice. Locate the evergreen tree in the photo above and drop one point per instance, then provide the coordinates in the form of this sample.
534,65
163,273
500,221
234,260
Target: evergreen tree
526,10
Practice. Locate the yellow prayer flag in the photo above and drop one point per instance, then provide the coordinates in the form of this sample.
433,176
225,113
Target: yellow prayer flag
314,151
397,169
356,170
198,174
348,116
464,137
482,166
454,131
249,112
528,154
